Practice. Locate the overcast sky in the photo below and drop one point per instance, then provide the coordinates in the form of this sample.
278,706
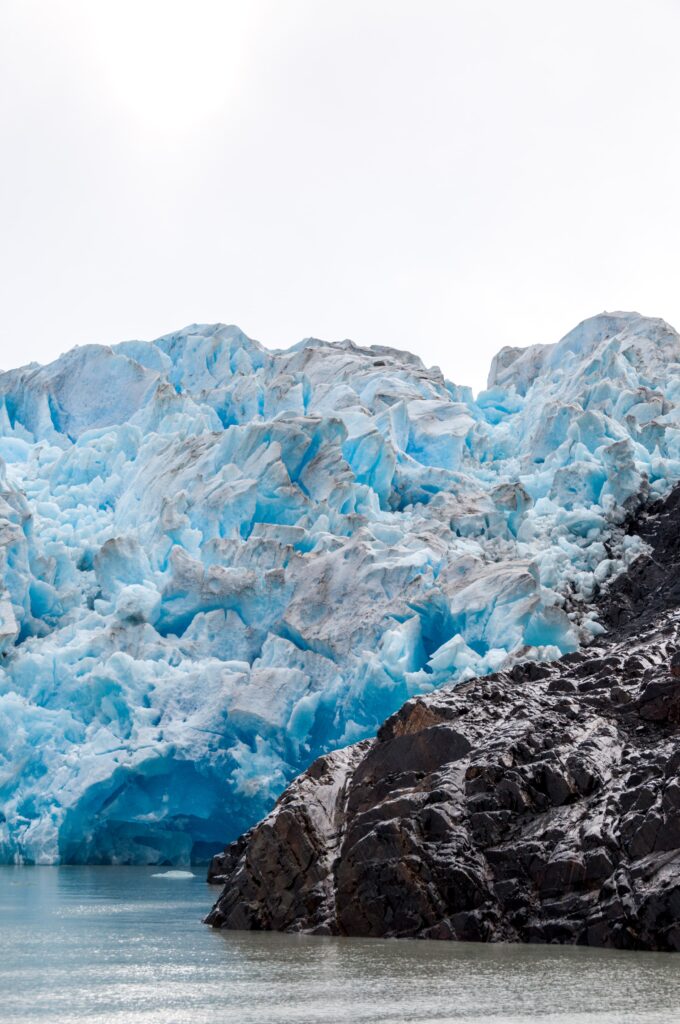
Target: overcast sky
444,177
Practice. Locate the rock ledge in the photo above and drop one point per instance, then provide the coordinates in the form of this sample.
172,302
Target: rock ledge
540,805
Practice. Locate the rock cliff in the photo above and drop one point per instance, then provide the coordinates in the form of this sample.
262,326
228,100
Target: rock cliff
536,805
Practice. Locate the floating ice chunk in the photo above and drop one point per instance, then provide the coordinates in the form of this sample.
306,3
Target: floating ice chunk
175,875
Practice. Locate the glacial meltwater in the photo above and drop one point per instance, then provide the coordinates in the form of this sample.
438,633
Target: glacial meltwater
127,946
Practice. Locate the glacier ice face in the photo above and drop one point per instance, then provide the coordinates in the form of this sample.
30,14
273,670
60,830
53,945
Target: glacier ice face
219,561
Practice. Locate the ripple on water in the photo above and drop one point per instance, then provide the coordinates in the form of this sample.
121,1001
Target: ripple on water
88,944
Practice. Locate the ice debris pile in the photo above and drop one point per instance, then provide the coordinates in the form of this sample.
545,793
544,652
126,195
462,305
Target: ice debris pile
219,561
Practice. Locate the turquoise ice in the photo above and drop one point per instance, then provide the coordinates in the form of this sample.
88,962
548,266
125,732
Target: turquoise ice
219,561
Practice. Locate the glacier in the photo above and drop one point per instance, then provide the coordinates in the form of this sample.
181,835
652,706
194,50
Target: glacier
218,561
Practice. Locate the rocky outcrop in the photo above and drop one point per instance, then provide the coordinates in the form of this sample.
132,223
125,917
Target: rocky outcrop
539,805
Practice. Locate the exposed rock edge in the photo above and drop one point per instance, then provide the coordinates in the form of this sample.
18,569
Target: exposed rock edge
539,805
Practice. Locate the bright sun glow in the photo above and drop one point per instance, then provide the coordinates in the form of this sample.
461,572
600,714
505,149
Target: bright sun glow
447,177
172,64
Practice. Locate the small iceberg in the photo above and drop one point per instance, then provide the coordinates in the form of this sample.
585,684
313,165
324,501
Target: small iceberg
174,874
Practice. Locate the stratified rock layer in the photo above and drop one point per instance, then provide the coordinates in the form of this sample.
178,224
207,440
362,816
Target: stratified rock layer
537,805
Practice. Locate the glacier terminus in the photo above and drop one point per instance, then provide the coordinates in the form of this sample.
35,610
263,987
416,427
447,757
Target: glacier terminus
218,562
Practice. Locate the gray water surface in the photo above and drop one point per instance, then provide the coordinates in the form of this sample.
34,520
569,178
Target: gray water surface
117,946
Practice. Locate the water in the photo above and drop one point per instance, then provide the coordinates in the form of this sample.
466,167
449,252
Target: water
119,946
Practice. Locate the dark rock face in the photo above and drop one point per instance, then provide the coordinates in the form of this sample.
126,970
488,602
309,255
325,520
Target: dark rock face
651,585
540,805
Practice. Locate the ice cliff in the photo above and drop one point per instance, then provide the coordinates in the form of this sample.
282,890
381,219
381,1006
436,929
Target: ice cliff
218,561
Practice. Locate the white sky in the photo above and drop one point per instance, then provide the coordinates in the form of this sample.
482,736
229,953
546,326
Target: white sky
444,177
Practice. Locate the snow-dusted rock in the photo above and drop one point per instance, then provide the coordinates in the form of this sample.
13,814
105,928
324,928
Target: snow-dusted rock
218,562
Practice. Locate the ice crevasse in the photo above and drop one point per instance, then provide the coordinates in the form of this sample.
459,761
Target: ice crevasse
218,561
